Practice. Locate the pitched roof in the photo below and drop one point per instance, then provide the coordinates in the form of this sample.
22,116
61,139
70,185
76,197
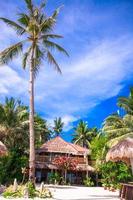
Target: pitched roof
58,145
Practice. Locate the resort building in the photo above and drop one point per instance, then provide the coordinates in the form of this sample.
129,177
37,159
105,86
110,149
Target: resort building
57,147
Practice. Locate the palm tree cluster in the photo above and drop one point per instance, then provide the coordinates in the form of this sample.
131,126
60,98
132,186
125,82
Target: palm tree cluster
114,129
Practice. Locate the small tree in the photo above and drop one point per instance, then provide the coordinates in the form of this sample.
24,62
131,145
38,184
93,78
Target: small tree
66,163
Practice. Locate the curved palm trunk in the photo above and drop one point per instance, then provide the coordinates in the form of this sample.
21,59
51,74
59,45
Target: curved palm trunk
31,123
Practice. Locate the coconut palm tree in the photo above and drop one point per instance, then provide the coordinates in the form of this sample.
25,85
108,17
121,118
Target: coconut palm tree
83,134
37,30
42,131
58,126
117,128
14,124
127,102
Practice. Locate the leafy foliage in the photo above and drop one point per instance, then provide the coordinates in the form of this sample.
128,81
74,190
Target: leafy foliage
12,165
55,178
83,134
66,162
31,191
115,173
14,124
37,28
58,126
88,182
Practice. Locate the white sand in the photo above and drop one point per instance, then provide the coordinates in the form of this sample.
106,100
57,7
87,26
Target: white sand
83,193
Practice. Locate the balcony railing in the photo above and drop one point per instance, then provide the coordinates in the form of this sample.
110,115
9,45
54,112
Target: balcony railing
50,159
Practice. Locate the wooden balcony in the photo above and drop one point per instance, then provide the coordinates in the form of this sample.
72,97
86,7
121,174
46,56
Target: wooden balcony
49,159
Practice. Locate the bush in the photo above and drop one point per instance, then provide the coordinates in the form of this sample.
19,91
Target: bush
55,178
115,173
88,182
12,165
29,187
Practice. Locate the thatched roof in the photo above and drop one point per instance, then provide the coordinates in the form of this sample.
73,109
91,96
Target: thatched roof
123,150
3,149
58,145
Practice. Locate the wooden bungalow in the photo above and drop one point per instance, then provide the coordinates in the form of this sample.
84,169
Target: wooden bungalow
57,147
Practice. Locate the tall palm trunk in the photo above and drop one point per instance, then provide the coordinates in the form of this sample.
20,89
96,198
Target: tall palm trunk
31,122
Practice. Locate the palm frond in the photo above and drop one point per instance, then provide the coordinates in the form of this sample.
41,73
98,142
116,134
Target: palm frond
37,60
19,29
53,45
56,12
11,52
29,6
45,36
52,61
24,19
47,25
25,57
43,4
114,141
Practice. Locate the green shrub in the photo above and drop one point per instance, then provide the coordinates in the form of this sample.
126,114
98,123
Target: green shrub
12,165
55,178
32,191
115,173
88,182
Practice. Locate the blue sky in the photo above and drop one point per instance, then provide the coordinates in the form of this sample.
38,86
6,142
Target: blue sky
98,35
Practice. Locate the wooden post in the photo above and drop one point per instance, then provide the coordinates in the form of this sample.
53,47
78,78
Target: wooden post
131,161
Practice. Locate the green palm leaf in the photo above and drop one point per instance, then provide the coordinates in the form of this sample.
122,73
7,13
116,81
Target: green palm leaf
45,36
11,52
19,29
29,6
53,45
24,19
52,61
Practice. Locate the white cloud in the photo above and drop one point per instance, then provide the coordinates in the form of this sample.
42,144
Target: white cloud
11,83
90,79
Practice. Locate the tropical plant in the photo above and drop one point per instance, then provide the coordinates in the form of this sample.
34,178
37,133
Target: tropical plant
42,131
37,30
12,165
58,126
116,128
14,124
55,178
88,182
115,173
27,190
83,134
127,102
99,149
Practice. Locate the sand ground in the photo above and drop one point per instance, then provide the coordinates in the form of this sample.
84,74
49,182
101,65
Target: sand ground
79,193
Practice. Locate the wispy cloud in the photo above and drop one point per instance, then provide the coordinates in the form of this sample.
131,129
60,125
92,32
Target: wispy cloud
96,76
11,83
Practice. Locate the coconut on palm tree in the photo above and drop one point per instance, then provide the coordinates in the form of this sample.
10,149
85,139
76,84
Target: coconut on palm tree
37,30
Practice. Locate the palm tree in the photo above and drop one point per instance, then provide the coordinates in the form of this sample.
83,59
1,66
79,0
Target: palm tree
14,124
127,102
58,126
42,131
117,128
83,134
37,28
